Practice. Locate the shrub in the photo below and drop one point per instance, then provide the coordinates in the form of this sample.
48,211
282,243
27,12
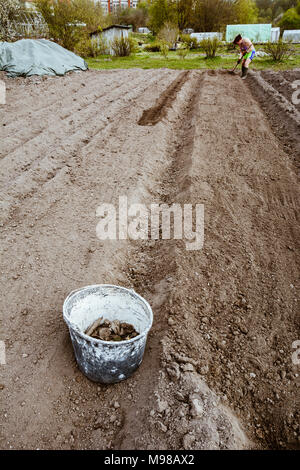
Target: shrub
153,47
191,42
138,38
150,37
83,47
183,50
210,46
87,47
164,49
102,46
135,43
122,47
168,34
279,50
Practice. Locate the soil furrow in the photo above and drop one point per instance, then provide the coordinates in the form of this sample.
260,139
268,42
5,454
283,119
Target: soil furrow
41,114
282,113
71,145
155,114
153,265
80,117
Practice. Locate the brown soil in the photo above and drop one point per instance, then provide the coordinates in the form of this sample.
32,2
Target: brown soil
274,92
156,113
217,371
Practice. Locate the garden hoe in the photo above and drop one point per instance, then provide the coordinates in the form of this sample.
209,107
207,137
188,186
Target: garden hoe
233,70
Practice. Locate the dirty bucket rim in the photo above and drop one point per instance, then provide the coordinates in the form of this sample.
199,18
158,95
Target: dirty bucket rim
113,343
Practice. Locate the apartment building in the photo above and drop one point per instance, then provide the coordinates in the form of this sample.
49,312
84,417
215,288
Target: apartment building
107,5
111,5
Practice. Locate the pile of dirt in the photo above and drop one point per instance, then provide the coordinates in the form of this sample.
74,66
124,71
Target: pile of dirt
107,330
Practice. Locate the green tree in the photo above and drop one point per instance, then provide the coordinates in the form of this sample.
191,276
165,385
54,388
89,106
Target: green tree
137,17
269,10
160,12
212,15
246,11
291,18
265,11
184,10
69,21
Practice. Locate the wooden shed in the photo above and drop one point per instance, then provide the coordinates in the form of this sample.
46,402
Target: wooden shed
110,33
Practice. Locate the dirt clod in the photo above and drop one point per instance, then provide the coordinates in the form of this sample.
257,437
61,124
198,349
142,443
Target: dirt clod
115,330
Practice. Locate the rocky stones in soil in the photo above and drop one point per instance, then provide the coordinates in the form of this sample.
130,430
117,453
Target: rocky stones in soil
115,330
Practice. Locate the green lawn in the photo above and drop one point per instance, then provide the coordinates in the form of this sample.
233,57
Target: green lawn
194,60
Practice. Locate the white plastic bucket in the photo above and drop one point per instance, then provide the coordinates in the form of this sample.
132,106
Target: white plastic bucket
107,361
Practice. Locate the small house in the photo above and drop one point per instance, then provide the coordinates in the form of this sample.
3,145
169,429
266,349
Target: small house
110,33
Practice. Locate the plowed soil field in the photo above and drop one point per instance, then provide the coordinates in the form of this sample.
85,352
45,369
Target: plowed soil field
218,370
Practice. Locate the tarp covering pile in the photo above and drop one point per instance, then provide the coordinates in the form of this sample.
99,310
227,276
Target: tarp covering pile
37,57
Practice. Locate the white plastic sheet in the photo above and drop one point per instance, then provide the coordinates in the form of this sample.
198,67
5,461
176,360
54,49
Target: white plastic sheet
200,36
291,35
255,32
275,34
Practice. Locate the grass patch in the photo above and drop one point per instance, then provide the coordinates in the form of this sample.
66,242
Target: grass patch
194,60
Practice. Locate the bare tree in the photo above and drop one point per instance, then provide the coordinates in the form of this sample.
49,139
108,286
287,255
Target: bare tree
168,33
